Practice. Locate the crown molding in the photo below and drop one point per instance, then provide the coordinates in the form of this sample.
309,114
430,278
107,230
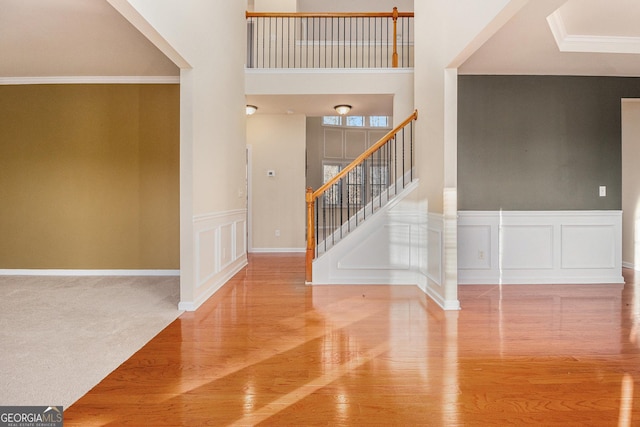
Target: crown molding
56,80
589,43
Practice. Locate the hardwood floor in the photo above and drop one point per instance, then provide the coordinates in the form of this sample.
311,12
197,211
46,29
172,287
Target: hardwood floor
268,350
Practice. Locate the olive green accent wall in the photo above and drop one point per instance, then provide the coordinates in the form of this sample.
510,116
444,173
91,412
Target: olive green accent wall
89,176
540,142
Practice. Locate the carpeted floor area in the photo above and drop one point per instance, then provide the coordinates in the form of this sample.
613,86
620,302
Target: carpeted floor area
59,336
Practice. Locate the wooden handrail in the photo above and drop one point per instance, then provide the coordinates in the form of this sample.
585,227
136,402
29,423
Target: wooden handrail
328,14
358,160
311,195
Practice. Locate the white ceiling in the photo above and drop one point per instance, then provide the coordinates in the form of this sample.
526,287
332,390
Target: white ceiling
40,38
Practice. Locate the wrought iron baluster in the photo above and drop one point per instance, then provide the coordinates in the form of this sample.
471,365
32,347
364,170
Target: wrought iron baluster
408,42
349,207
374,179
262,49
344,42
395,164
412,164
325,42
342,207
403,159
356,48
313,44
324,220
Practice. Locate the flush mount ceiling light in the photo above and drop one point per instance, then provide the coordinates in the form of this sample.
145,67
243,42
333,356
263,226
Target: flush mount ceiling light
251,109
342,109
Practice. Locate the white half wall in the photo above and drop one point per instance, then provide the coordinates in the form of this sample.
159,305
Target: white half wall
526,247
402,244
385,249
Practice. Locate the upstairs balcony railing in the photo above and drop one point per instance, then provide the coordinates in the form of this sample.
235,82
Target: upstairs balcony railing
330,40
358,191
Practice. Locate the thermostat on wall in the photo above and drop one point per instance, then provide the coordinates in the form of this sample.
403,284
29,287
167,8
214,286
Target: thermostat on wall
271,172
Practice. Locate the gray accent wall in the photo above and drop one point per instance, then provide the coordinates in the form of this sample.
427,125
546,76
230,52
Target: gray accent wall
540,142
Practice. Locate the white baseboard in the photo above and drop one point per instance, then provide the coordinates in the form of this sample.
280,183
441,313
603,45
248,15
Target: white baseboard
277,250
219,282
73,272
447,305
628,265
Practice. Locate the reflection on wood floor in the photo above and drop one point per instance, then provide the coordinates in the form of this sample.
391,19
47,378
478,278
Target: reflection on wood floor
268,350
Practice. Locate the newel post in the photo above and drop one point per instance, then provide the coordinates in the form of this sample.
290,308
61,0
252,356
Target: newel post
394,59
311,239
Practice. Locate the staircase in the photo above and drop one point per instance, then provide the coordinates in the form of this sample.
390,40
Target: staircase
360,192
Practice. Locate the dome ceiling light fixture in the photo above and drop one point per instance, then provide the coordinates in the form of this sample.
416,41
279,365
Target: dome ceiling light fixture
251,109
342,109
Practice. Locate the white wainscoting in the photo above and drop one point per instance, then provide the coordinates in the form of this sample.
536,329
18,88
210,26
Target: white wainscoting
435,248
220,252
520,247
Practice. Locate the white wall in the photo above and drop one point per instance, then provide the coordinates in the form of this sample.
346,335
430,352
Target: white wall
274,5
630,183
460,27
398,83
211,38
354,5
277,202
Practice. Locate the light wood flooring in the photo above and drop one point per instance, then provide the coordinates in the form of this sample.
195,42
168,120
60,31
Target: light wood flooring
268,350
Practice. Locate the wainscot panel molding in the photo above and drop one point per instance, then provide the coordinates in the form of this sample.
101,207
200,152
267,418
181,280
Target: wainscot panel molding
220,252
547,247
433,277
435,248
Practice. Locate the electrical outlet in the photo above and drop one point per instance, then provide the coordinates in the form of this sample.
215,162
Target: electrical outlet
277,233
603,191
481,255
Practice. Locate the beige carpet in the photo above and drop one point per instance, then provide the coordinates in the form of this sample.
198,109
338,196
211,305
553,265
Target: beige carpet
59,336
